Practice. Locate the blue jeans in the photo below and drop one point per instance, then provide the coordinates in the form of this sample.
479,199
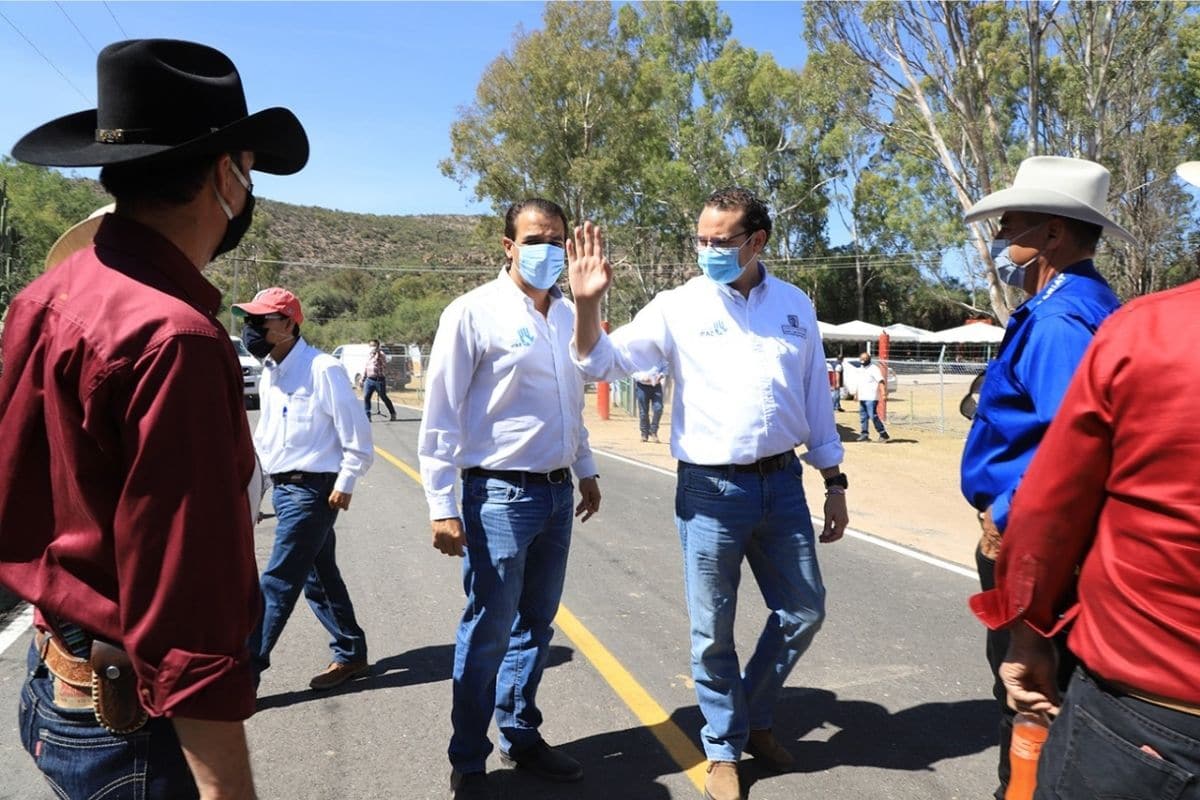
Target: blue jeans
81,760
650,407
518,534
1094,748
304,559
370,387
724,517
866,411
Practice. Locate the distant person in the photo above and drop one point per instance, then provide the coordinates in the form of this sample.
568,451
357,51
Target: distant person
745,353
504,405
1102,543
124,449
1050,221
837,381
870,385
648,388
315,445
375,379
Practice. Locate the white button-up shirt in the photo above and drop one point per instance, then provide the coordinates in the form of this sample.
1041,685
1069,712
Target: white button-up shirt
501,391
750,376
310,420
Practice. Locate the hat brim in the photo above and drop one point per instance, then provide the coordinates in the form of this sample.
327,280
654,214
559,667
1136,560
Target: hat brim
77,237
1043,201
274,135
1190,172
254,309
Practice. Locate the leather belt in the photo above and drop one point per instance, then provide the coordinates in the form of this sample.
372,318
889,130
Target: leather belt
516,476
72,670
105,683
298,477
764,466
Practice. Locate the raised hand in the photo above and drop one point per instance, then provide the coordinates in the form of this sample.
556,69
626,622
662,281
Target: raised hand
590,272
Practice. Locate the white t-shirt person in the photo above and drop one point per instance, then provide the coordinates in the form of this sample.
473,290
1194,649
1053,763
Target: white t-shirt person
869,378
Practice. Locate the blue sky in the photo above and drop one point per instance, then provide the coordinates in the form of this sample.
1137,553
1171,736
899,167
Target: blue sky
376,85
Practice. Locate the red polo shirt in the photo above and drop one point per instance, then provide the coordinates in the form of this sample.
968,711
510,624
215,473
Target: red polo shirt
124,460
1114,491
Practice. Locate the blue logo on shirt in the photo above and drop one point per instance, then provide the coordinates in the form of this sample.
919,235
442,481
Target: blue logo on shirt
716,329
524,338
793,327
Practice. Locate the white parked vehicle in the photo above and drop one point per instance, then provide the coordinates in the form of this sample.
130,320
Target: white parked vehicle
354,359
251,372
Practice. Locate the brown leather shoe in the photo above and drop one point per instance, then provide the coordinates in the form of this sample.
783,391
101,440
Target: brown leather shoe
722,781
338,673
763,745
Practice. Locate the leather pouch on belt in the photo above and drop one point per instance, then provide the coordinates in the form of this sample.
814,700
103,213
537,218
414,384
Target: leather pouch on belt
114,689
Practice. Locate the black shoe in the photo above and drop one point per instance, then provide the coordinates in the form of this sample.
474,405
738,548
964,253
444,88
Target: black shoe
884,436
393,419
544,761
472,786
862,437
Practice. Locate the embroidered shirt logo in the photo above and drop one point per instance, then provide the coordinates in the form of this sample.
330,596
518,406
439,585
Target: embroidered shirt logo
716,329
524,338
792,328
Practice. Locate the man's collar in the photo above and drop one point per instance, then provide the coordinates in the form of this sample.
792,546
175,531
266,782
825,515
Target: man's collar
507,279
152,249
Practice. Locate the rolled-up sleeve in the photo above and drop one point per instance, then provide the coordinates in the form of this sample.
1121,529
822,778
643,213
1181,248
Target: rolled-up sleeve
182,540
638,346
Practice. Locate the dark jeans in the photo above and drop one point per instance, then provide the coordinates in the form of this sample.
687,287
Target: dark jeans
304,559
1095,748
370,387
82,760
650,407
997,649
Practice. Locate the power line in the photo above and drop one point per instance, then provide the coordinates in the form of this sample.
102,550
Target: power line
114,19
73,25
45,58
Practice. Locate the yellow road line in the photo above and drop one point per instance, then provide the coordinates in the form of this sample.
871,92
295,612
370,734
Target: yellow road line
677,743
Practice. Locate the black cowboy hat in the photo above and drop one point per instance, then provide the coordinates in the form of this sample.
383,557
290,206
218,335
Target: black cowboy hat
163,99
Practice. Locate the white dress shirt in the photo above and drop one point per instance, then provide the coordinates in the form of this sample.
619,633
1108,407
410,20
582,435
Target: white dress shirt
310,420
750,377
869,379
501,391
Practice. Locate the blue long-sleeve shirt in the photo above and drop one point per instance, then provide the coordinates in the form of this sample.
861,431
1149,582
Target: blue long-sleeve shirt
1045,340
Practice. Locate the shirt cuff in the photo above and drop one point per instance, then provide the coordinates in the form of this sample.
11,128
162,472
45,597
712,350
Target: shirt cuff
345,482
585,467
201,686
1000,507
442,506
598,362
826,456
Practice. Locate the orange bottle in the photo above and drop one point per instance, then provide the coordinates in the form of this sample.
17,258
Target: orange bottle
1028,736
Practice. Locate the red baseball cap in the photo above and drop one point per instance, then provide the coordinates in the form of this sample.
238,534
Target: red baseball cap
273,301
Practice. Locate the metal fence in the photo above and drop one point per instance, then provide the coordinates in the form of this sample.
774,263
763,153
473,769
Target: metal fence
928,393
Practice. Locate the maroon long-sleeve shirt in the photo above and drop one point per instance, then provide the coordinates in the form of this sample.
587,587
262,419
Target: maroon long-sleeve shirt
124,460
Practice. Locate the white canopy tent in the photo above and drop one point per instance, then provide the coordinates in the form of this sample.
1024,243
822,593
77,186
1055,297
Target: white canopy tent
853,331
971,333
899,332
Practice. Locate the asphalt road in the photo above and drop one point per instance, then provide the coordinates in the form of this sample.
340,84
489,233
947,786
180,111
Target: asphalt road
891,701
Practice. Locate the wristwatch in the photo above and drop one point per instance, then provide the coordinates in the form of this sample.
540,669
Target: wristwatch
837,480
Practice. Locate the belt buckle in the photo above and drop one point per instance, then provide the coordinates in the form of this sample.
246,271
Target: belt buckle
551,474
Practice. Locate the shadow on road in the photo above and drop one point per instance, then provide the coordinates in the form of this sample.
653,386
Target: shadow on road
423,665
863,734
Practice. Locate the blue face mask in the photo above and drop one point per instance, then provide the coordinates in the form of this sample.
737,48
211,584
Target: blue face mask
720,264
1011,273
540,264
255,340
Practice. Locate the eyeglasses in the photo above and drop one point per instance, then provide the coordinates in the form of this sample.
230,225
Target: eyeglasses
703,242
259,320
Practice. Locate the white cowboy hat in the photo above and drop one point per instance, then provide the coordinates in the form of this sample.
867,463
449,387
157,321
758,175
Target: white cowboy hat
1064,187
1190,172
77,237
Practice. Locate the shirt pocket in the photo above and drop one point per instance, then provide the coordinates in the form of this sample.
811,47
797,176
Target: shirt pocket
301,408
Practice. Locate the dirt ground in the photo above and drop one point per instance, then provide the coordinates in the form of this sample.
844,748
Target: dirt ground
905,490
